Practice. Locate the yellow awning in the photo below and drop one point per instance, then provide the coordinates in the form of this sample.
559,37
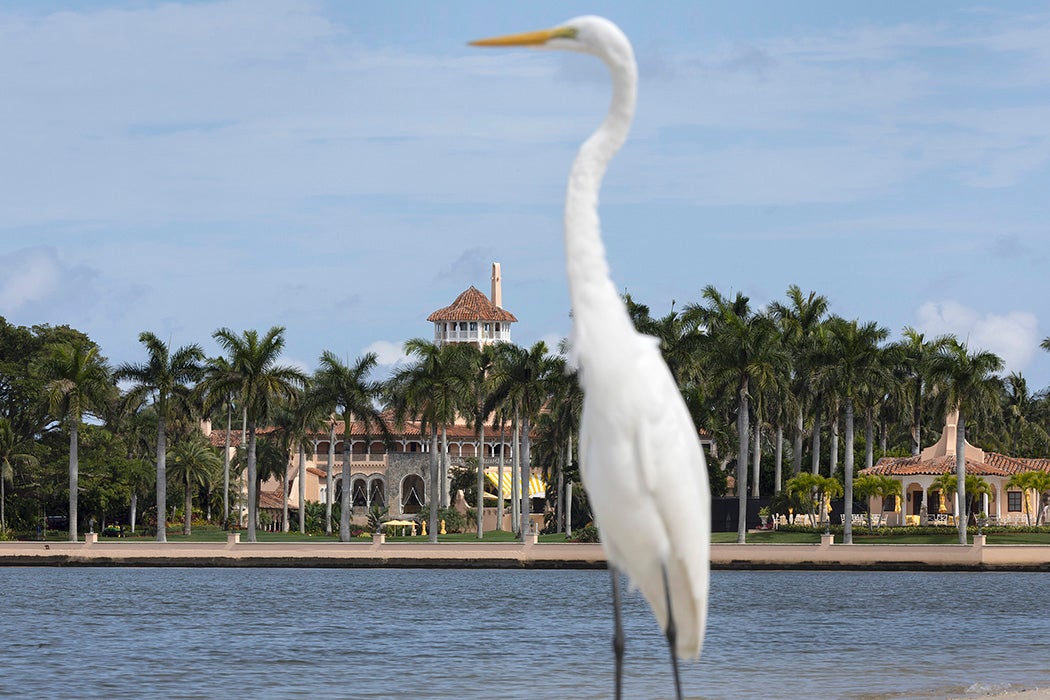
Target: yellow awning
537,489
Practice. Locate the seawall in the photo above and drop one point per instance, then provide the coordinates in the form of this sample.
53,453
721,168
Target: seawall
976,557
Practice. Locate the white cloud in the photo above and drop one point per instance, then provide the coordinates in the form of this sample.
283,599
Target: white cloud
27,275
1013,336
35,278
387,353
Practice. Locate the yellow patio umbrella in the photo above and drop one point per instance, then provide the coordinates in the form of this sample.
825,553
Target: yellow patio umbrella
942,507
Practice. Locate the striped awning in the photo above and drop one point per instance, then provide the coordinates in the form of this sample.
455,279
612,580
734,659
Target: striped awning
537,489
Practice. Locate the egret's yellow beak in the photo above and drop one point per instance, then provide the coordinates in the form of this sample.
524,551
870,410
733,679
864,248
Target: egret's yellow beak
528,38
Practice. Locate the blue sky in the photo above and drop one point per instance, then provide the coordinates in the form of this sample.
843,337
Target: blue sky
344,169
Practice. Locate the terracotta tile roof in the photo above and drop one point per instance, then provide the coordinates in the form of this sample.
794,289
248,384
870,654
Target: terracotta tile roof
410,431
1016,465
472,305
218,437
914,466
271,500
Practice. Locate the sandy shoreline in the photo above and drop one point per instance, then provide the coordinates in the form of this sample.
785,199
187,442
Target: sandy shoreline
976,557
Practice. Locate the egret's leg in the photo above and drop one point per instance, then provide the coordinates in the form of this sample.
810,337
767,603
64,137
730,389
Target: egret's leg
672,636
618,638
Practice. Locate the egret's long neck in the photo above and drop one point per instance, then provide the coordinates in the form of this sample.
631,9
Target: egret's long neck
599,315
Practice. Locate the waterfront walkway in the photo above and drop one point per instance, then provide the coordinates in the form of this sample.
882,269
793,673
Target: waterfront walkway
827,555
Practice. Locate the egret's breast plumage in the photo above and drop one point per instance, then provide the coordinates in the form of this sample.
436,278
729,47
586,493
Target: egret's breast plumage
645,475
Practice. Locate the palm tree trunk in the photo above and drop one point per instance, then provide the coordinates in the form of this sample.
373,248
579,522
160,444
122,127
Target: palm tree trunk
344,503
302,488
778,460
526,505
756,458
960,475
815,468
444,467
515,467
74,465
741,466
244,435
162,477
796,446
226,467
433,534
253,488
834,447
916,420
869,439
847,534
284,500
481,482
499,478
187,505
567,508
134,510
329,495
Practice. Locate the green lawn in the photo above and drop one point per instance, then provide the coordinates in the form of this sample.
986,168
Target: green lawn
859,537
770,537
214,533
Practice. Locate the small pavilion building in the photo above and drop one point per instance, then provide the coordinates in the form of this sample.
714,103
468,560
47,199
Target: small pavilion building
473,317
923,503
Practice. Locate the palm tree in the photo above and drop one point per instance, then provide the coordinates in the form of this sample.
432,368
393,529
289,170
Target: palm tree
741,350
480,360
10,457
813,490
856,349
261,384
432,390
867,486
215,387
974,486
559,426
879,389
1031,481
347,389
307,418
521,380
136,424
917,358
799,321
969,383
1022,414
194,463
78,382
165,376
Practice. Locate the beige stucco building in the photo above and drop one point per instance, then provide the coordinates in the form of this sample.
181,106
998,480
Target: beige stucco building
918,473
395,475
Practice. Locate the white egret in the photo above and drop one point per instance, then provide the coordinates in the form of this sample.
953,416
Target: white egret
640,455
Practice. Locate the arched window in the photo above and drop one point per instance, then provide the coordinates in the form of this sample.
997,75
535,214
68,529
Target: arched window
377,493
413,494
359,496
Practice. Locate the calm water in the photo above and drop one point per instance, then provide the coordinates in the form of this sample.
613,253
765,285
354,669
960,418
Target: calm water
510,634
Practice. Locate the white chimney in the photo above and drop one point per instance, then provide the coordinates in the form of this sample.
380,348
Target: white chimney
497,286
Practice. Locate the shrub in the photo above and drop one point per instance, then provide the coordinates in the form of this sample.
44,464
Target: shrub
587,533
